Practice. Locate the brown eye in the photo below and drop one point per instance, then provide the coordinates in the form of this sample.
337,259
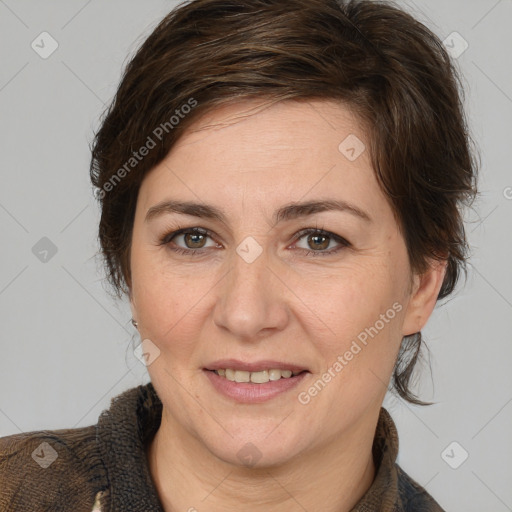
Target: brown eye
188,241
194,240
318,242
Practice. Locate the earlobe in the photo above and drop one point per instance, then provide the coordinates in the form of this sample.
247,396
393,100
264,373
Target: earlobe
423,297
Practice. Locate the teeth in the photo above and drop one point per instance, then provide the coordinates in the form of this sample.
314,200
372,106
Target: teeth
260,377
256,377
241,376
274,374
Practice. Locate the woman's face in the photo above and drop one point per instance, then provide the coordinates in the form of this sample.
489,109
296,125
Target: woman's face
268,284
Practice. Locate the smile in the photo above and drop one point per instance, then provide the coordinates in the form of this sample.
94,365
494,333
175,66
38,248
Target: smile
260,377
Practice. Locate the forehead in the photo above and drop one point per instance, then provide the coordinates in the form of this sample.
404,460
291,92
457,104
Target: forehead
260,154
255,125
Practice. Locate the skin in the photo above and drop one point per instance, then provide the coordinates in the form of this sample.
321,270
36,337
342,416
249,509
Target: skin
249,159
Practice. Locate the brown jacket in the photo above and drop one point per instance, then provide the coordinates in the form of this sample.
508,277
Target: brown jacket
105,465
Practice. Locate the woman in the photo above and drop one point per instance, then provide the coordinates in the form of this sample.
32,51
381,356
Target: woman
281,186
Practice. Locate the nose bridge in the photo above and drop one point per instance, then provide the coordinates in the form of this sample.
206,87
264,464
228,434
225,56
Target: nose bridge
249,300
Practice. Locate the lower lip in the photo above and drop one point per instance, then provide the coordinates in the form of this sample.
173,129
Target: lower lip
248,392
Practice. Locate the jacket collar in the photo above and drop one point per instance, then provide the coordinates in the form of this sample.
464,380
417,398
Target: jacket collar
124,431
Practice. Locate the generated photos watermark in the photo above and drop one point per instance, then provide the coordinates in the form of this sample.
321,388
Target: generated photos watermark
137,156
356,347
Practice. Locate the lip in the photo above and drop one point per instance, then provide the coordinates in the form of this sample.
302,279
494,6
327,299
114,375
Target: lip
255,366
250,393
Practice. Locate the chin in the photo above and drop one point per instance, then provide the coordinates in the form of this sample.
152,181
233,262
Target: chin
258,454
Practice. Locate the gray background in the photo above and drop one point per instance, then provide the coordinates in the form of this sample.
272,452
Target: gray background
67,347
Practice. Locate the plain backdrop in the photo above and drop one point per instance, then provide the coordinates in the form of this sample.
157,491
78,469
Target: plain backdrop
67,347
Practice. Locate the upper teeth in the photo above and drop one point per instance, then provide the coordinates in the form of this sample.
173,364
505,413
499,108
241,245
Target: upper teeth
256,377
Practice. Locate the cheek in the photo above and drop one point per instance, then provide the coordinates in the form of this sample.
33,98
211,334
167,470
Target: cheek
351,301
365,315
171,302
364,311
165,311
160,299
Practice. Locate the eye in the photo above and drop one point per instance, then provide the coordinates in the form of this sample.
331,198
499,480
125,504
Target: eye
318,240
193,240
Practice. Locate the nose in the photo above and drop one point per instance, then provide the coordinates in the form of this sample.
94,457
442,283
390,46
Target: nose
251,299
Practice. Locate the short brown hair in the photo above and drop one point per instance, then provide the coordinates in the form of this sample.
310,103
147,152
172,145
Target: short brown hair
391,70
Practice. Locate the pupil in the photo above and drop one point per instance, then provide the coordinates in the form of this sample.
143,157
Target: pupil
325,238
194,235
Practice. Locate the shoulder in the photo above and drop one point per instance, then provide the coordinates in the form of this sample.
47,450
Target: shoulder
413,497
55,470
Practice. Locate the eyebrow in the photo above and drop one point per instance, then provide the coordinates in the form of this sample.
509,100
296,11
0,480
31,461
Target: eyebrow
285,213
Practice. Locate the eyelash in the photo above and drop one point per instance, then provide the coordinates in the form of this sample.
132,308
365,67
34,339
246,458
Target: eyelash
167,238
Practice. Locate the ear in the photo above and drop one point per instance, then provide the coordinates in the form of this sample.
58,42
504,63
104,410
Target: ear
425,290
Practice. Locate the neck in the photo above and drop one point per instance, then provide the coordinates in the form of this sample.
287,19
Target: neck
188,477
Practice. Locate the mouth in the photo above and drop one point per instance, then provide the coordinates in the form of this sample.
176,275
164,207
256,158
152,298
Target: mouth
259,377
254,382
257,372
